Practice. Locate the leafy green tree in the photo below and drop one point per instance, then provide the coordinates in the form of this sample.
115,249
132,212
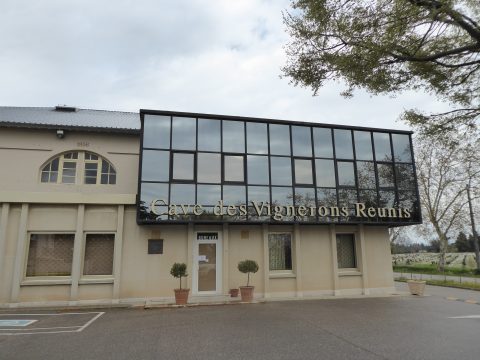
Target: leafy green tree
463,244
388,46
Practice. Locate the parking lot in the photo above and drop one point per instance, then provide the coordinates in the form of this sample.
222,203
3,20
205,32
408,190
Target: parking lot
439,326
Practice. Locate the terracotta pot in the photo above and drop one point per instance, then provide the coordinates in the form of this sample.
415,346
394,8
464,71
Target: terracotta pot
181,296
416,287
247,293
233,292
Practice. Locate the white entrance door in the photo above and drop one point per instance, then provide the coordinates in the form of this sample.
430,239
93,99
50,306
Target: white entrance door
207,277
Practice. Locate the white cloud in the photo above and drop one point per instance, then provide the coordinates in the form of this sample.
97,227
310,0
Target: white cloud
203,56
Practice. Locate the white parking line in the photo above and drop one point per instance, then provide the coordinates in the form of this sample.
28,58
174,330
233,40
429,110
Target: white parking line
33,331
466,317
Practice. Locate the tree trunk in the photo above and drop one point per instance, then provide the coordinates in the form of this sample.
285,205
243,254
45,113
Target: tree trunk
442,237
474,230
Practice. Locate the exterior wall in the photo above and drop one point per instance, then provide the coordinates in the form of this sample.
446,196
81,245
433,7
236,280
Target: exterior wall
28,206
142,276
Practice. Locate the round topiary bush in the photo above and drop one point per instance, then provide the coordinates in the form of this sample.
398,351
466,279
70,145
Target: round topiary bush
178,271
247,267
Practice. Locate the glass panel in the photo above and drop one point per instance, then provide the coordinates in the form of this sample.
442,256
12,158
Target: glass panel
234,195
233,168
279,139
54,164
401,147
50,255
233,136
363,145
184,133
112,179
343,144
281,170
208,194
209,135
150,192
99,254
156,132
257,169
383,150
322,139
104,179
90,180
105,167
387,199
182,194
282,196
208,168
155,165
366,175
346,174
302,141
327,197
347,198
183,165
305,197
258,194
207,267
54,176
368,197
303,171
90,156
405,176
280,251
45,177
257,138
385,175
408,200
346,251
325,172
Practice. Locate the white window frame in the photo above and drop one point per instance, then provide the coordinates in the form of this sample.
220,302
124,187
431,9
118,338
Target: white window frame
58,279
80,162
356,239
286,272
85,279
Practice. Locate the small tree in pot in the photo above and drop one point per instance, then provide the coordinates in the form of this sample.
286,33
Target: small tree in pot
247,267
178,271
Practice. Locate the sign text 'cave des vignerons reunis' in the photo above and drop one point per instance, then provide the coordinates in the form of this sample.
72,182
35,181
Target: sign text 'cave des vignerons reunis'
211,168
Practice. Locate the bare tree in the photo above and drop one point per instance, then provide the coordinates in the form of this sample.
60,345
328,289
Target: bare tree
442,178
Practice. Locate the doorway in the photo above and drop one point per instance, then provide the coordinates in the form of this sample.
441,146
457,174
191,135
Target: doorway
207,267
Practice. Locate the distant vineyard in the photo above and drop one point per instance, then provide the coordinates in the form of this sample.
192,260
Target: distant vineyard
453,260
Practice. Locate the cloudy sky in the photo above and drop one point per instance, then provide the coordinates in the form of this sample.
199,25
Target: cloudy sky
210,56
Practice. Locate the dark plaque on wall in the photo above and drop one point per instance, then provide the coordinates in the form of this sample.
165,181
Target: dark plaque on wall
155,246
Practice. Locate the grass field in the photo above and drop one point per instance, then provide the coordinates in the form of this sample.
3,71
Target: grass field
426,263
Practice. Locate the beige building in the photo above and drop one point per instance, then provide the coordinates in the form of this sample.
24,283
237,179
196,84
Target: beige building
311,203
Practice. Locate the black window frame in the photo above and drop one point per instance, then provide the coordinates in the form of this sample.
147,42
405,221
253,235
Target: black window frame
408,195
183,181
228,182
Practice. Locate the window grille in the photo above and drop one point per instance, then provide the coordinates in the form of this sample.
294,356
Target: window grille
50,255
99,254
346,251
280,251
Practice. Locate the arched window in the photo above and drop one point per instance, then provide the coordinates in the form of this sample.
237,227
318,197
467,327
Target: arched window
79,167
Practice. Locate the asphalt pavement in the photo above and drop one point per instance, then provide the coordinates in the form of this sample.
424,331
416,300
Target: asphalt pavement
399,327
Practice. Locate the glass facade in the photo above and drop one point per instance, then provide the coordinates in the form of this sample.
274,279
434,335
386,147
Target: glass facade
250,170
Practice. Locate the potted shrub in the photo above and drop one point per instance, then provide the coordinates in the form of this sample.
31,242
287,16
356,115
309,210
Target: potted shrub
178,271
247,267
416,287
